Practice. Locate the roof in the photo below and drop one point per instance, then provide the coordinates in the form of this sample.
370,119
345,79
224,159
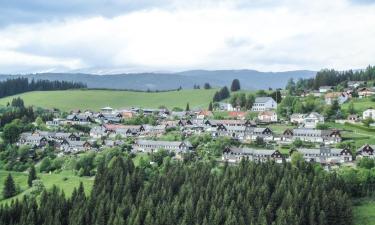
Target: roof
251,151
162,143
263,99
267,113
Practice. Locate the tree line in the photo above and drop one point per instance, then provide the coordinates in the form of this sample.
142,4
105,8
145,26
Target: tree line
331,77
189,194
21,85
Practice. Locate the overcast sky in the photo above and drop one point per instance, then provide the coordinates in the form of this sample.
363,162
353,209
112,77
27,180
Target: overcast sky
112,36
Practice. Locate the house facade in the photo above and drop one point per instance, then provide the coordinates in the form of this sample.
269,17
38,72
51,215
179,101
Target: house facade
152,146
235,155
325,155
267,117
312,120
311,135
366,151
368,113
263,104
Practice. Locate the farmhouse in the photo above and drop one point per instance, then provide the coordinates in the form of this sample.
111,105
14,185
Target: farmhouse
171,146
325,155
324,89
75,146
267,117
312,135
366,151
263,104
369,113
234,155
312,120
365,92
341,97
297,118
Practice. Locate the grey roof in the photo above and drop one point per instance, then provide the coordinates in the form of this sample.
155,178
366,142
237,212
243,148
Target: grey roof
263,99
251,151
317,151
162,143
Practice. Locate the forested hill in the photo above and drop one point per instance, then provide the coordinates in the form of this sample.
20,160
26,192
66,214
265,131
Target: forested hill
250,79
190,194
331,77
20,85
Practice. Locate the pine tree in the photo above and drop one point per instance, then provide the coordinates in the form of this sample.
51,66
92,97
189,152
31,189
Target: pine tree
210,108
187,107
235,85
9,187
32,176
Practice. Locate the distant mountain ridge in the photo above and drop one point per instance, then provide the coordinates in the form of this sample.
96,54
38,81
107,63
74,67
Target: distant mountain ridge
250,79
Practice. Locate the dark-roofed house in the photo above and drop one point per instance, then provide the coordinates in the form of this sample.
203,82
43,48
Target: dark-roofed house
172,146
234,154
312,135
326,155
82,119
366,151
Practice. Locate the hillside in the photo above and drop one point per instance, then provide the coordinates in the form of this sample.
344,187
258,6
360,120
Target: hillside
250,79
95,99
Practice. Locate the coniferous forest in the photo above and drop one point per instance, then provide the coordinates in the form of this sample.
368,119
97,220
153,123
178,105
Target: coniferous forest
190,194
21,85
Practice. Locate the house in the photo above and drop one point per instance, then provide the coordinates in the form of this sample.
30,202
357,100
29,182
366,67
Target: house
106,110
204,114
172,146
324,89
355,84
366,151
235,155
214,123
154,130
235,132
263,104
223,106
75,146
369,113
353,118
312,120
98,132
267,116
341,97
365,92
108,117
325,155
311,135
237,115
297,118
81,119
128,131
55,122
252,133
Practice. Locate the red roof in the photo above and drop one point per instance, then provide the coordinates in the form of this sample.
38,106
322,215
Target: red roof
237,114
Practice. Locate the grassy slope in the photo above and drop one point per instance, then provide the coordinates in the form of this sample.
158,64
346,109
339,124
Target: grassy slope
360,105
95,99
49,180
364,212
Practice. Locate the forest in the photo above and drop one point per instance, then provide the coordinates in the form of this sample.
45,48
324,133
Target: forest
21,85
191,193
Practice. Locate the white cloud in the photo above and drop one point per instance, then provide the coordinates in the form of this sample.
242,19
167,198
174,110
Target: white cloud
293,34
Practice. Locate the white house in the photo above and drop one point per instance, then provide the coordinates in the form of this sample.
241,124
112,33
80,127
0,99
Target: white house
312,120
369,113
225,106
324,89
263,104
267,116
355,84
297,118
341,97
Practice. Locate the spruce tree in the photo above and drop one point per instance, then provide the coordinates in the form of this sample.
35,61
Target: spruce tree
235,85
210,108
32,176
187,107
9,187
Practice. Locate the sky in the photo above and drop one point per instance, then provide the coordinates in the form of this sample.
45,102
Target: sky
115,36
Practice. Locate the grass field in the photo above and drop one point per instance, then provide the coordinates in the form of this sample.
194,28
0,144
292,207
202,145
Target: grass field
65,180
364,212
354,133
360,105
96,99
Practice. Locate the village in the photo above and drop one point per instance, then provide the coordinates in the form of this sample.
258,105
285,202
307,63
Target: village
254,137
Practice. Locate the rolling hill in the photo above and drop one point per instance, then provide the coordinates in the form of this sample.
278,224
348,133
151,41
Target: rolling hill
96,99
250,79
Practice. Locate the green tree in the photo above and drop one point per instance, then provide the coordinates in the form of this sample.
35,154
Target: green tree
32,176
296,158
210,108
351,109
235,85
11,133
187,107
9,189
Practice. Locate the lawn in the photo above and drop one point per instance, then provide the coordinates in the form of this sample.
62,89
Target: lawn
96,99
65,180
364,212
360,105
355,133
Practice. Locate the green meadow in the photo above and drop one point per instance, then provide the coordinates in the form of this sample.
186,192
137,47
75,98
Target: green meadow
65,180
96,99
